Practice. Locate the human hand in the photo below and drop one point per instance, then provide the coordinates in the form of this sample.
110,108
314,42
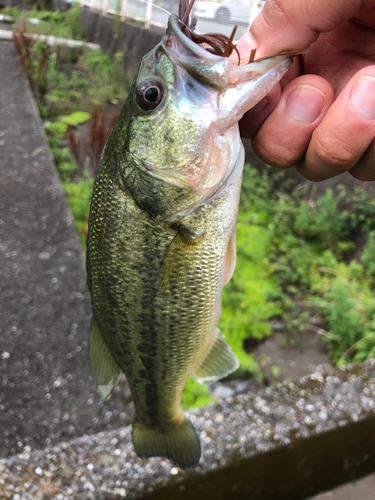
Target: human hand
322,116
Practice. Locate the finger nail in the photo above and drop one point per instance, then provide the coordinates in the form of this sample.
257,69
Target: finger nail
261,106
363,97
305,103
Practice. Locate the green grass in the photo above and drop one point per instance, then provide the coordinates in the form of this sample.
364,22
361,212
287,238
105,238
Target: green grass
309,247
59,24
66,80
248,297
289,249
79,197
75,118
195,395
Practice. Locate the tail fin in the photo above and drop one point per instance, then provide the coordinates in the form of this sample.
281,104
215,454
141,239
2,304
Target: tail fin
180,443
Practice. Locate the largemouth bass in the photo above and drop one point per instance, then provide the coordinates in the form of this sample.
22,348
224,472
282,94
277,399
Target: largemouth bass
161,240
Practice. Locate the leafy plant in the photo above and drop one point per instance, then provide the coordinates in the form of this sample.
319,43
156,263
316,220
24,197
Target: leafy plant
79,197
195,395
63,79
51,23
368,255
11,11
75,119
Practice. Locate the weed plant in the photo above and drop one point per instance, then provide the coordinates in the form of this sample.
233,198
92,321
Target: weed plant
70,86
309,252
62,25
65,80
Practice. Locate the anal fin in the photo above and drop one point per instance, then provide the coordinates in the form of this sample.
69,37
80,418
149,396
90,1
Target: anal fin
219,362
104,369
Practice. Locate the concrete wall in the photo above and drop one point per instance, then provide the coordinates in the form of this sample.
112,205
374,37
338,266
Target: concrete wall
113,35
12,3
128,37
284,443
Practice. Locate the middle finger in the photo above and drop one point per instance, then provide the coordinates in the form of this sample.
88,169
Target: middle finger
346,131
284,137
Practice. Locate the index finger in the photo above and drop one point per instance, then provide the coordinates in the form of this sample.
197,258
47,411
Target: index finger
295,24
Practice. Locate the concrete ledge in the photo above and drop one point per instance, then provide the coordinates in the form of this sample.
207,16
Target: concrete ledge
285,443
52,41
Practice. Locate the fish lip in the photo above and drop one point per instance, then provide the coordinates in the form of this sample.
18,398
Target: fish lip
210,69
174,24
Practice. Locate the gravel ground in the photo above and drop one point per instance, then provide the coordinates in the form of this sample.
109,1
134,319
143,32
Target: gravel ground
242,434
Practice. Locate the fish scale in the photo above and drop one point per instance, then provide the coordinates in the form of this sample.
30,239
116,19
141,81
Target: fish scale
161,239
191,317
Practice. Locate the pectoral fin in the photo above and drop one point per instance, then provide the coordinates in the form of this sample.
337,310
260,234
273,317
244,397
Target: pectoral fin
173,269
230,259
219,362
104,369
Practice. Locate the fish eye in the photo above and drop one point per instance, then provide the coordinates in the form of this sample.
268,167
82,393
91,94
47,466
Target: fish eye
149,94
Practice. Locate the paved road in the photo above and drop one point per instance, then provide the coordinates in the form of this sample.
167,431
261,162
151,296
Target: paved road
46,388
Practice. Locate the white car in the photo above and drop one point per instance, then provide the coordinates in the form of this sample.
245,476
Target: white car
238,11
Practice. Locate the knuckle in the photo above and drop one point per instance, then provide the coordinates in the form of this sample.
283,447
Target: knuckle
277,153
277,9
274,10
333,151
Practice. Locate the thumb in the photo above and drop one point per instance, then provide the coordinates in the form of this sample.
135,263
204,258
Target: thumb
295,24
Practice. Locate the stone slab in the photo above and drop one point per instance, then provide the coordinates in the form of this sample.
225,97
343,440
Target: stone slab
363,489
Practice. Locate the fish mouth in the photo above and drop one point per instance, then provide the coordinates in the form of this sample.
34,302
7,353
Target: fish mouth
215,70
208,68
175,26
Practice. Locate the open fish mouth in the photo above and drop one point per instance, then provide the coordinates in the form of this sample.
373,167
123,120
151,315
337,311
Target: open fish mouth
215,43
206,58
197,86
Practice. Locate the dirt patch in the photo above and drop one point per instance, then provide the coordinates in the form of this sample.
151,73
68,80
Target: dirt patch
280,360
